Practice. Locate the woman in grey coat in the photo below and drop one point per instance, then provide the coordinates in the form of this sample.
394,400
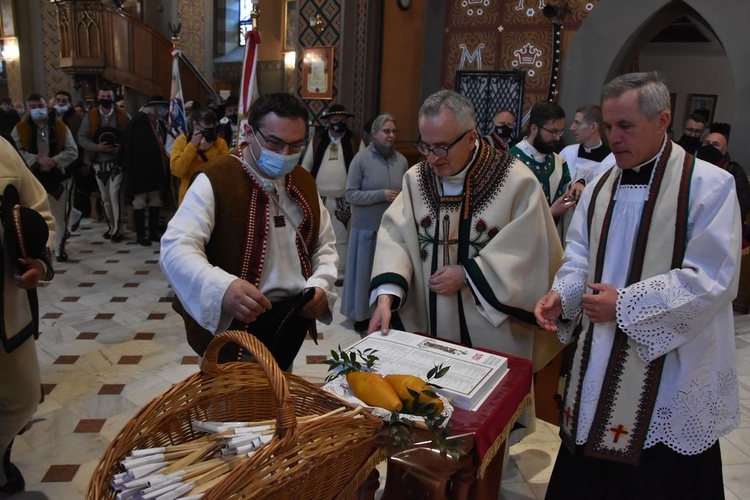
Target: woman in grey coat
373,182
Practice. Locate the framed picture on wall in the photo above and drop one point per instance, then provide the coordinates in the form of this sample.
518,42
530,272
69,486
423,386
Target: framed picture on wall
289,29
702,103
317,73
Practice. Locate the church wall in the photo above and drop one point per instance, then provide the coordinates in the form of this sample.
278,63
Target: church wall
687,74
612,27
401,77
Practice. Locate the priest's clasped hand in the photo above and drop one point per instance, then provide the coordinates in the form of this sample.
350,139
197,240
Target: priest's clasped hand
601,306
448,280
244,301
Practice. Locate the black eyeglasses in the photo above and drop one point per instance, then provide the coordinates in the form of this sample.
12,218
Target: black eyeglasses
556,133
438,151
276,145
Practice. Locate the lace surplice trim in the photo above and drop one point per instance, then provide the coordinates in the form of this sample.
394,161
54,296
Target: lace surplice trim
654,312
571,288
692,418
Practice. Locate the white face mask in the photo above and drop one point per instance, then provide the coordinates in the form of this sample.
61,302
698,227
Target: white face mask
38,114
62,108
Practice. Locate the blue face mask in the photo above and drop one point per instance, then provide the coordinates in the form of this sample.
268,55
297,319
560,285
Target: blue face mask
272,164
38,114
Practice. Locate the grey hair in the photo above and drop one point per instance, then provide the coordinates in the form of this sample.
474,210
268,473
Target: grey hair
653,94
461,107
380,120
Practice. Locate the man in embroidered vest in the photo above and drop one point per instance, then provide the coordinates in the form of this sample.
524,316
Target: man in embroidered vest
48,147
251,232
462,249
651,268
328,159
537,151
502,133
146,166
101,132
65,111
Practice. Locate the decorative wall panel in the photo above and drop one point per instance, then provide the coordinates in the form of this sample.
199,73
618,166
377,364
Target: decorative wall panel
492,35
54,78
192,43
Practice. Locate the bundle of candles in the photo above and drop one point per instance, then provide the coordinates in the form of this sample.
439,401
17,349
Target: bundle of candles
186,471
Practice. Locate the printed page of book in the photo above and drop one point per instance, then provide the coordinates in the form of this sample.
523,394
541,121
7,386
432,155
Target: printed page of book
472,374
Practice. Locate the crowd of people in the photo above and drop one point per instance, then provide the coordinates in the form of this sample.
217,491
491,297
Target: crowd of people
625,246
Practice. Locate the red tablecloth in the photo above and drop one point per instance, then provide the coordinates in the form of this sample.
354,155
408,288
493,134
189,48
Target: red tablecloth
492,422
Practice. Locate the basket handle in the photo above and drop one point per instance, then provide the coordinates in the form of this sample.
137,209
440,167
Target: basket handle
286,421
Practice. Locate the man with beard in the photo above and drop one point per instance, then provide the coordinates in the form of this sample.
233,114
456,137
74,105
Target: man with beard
502,133
692,132
537,151
328,159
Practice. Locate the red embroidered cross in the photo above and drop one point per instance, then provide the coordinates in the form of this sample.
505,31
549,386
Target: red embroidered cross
567,414
618,430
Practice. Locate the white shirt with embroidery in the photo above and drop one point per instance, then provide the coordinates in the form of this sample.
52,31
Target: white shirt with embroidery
201,286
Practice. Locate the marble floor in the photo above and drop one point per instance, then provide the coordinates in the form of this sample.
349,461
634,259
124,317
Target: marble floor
110,343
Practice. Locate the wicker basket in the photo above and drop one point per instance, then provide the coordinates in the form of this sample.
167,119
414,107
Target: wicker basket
328,458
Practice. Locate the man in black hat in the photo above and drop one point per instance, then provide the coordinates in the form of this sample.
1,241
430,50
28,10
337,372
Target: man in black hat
20,273
328,159
715,150
146,166
101,132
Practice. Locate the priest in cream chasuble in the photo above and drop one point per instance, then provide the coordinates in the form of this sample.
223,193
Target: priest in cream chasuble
470,240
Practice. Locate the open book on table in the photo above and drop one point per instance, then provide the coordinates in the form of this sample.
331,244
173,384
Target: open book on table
472,376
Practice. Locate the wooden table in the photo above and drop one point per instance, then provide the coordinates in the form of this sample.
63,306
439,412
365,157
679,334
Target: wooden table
420,472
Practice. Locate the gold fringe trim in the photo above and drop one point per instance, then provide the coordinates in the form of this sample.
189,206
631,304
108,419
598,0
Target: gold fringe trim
351,489
503,437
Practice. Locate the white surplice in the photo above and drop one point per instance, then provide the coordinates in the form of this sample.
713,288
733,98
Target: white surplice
684,314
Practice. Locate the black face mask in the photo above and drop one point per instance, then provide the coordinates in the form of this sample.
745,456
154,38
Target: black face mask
106,103
209,134
544,147
689,143
338,128
504,131
709,153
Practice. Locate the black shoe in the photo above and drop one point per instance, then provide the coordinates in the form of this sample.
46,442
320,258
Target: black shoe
62,257
117,237
142,240
339,283
154,237
361,326
107,235
16,483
